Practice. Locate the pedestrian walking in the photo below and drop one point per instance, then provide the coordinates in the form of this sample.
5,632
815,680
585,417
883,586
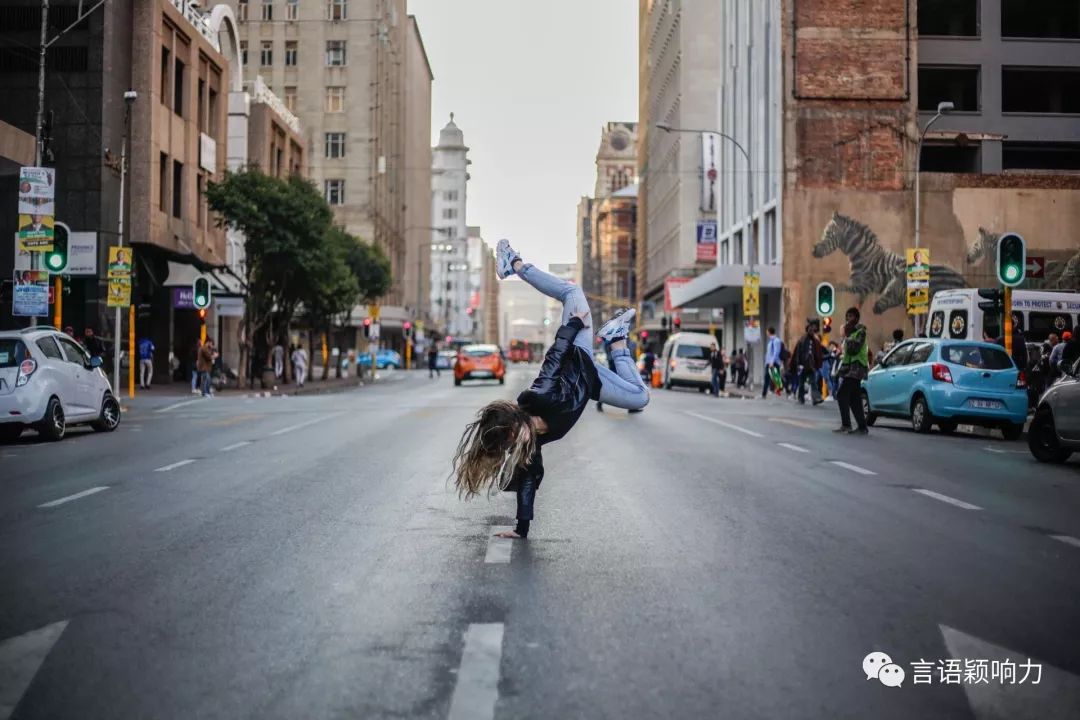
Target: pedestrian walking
278,355
648,362
808,356
718,365
854,367
501,449
433,361
740,368
300,365
146,362
205,367
1057,350
773,350
830,369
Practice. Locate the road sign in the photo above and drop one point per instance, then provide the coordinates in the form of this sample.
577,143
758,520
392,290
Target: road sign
1036,266
751,299
918,281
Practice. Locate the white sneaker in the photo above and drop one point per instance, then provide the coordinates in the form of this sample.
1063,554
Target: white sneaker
618,327
505,257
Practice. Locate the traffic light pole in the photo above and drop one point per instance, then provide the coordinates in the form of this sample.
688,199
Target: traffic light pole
1007,320
120,243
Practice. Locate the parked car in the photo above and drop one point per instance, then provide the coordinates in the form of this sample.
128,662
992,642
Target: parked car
685,360
383,359
479,362
446,359
48,382
1054,434
948,382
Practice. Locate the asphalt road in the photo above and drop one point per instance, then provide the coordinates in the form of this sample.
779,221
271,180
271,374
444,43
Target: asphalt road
304,558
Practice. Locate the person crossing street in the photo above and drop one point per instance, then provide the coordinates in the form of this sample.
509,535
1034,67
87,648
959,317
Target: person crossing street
854,367
807,362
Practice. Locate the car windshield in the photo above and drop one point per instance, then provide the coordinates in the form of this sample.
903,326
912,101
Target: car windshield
692,352
479,352
11,352
978,357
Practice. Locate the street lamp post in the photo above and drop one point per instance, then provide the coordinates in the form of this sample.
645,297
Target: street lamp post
942,108
129,100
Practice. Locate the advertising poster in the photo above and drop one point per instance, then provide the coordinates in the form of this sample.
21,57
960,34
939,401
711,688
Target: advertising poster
120,261
751,330
751,300
31,296
37,208
918,280
36,233
706,241
119,292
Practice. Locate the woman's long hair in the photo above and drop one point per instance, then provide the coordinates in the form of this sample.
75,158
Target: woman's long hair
492,448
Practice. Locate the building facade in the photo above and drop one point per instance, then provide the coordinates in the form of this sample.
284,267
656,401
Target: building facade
449,236
418,78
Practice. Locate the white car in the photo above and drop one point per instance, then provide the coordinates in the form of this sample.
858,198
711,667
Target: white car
48,382
685,359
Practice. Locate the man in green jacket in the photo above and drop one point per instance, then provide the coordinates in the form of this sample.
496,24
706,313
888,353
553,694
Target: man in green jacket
854,367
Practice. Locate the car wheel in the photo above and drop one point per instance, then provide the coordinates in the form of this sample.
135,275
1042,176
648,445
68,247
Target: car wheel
457,383
667,383
502,380
921,420
948,427
701,389
54,425
1012,431
10,432
110,415
871,417
1043,440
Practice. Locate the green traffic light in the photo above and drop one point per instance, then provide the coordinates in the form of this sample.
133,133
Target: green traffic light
1012,272
826,308
55,261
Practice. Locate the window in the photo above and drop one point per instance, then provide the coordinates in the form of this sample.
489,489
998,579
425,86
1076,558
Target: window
692,352
335,192
335,99
1052,19
1040,156
166,63
292,9
267,10
335,53
959,85
163,183
48,346
1043,323
957,18
449,213
243,52
266,53
975,356
75,354
290,97
212,110
900,356
1046,90
937,323
450,195
200,186
178,87
177,189
958,322
337,9
921,353
951,158
335,145
242,10
200,113
290,53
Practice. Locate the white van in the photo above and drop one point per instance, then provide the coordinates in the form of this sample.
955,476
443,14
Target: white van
955,314
685,360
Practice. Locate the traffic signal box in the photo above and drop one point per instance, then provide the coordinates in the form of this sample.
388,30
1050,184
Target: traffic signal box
57,258
200,293
1011,259
825,300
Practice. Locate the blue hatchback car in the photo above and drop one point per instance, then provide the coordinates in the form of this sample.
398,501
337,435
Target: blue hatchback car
947,382
383,359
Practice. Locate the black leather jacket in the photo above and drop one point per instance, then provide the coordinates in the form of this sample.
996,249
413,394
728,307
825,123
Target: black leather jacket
567,382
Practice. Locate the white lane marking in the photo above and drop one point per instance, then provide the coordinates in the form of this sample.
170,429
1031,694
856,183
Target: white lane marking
1067,539
999,451
796,448
178,405
852,468
173,466
947,499
729,426
76,496
234,446
289,429
477,688
498,549
20,659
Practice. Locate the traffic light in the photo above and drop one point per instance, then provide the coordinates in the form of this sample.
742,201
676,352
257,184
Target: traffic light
202,314
408,328
200,292
57,258
367,327
994,300
825,299
826,325
644,335
676,322
1011,259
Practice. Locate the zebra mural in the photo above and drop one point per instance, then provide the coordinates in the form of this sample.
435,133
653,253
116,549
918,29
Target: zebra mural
874,269
1058,274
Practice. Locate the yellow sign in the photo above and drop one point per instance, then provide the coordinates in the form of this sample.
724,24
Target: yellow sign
119,292
36,233
918,281
751,302
120,261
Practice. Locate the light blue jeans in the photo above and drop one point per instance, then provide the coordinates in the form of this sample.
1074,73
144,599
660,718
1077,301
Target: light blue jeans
623,388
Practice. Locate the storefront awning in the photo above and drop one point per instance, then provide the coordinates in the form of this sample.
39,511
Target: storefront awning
722,286
183,275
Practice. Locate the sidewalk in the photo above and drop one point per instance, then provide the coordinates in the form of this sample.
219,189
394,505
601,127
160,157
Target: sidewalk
312,387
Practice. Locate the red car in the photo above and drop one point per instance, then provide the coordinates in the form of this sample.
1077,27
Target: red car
479,362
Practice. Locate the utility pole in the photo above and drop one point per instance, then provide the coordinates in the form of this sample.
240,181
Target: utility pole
129,98
39,123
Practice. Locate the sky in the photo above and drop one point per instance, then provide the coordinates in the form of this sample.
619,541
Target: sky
531,85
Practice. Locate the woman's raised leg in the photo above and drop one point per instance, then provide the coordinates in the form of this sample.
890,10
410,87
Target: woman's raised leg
569,294
623,388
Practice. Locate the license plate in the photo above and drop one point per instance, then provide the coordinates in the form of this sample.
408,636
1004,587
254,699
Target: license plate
985,404
481,373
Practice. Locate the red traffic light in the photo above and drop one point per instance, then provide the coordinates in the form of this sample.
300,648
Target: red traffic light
408,325
367,322
644,334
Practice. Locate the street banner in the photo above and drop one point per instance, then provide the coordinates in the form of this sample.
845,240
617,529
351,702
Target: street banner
751,330
918,281
37,208
706,241
120,260
183,298
119,292
751,300
31,296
